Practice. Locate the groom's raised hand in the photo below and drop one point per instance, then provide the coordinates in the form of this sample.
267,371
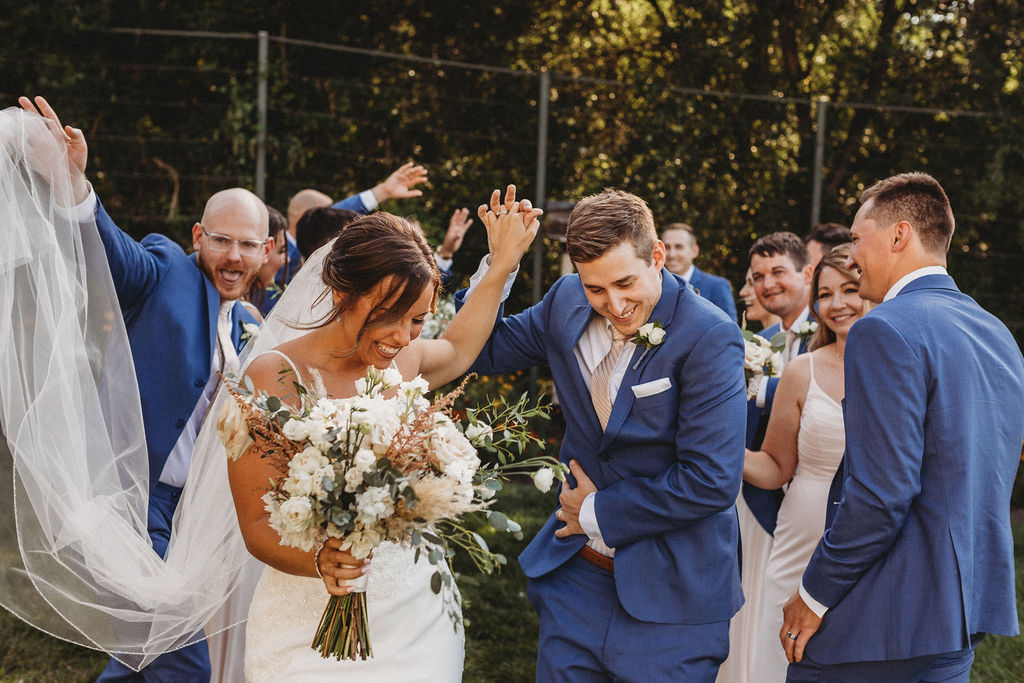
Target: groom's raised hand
571,500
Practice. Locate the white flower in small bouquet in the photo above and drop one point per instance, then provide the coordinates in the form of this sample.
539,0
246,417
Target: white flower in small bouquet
762,358
437,323
384,465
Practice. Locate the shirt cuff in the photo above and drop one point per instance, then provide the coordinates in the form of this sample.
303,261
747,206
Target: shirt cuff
368,200
813,604
762,391
588,519
482,270
442,262
85,212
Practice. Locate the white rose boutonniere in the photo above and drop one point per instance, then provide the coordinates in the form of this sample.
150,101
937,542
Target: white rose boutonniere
649,335
806,329
249,330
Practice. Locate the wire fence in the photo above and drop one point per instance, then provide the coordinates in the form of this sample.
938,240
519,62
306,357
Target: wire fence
181,114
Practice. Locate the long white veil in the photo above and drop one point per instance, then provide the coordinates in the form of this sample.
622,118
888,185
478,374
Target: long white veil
75,557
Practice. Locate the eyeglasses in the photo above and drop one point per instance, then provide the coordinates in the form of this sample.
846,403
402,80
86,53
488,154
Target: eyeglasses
222,243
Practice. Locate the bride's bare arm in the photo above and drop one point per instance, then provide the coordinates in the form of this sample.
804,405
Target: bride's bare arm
511,227
249,476
775,463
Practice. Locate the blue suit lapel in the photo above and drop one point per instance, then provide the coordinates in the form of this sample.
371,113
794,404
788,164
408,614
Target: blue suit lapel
671,285
212,305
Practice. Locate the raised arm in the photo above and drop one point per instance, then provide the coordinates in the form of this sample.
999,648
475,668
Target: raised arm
511,227
775,463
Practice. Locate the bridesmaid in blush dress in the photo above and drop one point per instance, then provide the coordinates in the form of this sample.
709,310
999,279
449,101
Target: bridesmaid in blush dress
803,446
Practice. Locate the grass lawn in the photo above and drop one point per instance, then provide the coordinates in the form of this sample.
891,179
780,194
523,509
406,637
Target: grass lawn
502,629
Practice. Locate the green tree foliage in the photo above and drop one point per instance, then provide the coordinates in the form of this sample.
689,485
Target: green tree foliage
706,109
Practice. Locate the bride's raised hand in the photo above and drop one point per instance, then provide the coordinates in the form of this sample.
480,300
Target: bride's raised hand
73,141
511,227
336,566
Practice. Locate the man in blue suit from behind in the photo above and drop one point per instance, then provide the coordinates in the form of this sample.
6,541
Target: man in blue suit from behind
184,323
681,250
634,576
916,563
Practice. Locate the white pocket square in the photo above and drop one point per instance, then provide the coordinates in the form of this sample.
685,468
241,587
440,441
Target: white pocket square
651,388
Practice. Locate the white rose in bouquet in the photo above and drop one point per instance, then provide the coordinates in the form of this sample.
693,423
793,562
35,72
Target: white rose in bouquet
297,429
391,378
296,514
757,352
543,478
300,484
479,433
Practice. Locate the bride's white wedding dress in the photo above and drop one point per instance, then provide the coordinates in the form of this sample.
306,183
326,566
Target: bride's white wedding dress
412,633
801,522
416,635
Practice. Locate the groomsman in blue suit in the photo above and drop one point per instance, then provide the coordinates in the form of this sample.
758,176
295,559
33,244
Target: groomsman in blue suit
184,323
634,576
681,250
916,563
780,270
398,185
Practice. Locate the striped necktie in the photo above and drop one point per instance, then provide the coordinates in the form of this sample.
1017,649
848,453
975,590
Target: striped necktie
599,381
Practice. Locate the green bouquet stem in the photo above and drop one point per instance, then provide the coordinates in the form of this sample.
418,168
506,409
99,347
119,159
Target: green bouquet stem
344,632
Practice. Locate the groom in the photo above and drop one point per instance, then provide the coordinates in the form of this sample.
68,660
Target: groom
635,575
917,561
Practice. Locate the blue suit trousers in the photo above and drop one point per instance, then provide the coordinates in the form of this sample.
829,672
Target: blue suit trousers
190,664
586,636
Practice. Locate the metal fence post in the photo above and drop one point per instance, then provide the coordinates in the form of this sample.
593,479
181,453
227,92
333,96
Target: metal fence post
263,41
543,99
819,160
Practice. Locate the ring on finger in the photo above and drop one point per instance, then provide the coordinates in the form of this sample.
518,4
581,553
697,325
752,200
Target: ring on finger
791,635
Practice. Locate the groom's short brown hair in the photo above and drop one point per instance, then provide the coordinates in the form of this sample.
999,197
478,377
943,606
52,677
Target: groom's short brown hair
603,221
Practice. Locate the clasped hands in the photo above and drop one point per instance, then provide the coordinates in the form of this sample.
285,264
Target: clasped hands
511,226
571,500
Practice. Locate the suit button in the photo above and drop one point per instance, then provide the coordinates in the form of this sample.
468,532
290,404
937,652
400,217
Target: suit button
179,424
199,382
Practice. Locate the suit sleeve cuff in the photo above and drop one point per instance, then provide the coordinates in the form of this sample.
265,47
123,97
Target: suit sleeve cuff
368,200
762,391
442,262
816,607
588,519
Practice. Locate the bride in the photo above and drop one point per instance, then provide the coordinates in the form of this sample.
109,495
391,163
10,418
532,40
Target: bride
74,473
377,283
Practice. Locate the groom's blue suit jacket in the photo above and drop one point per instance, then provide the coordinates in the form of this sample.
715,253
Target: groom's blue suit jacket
669,465
170,310
918,552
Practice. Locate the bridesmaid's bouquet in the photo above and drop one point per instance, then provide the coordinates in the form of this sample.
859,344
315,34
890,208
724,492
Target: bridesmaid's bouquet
437,323
762,358
384,465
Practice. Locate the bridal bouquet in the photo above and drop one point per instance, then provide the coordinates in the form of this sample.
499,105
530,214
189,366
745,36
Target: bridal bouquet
384,465
762,358
437,323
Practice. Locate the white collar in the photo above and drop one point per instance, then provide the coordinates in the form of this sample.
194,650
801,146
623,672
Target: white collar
688,275
800,319
910,277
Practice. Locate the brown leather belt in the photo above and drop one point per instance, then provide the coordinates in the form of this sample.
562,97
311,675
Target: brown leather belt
593,557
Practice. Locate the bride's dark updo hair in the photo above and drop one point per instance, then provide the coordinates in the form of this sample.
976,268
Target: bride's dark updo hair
384,250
